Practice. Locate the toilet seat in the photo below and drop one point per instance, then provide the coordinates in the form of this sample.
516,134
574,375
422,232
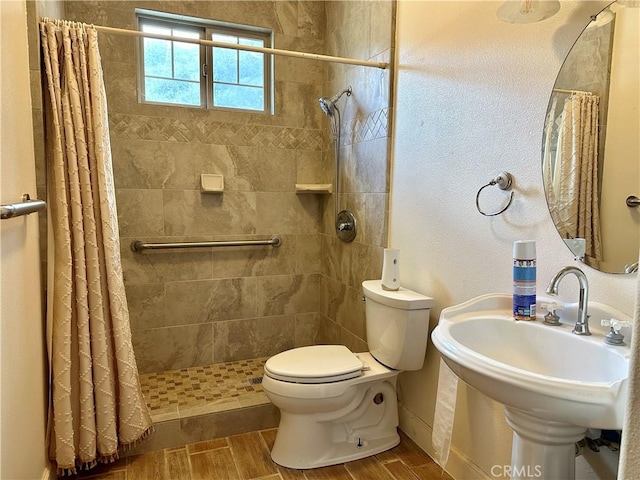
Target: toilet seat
314,365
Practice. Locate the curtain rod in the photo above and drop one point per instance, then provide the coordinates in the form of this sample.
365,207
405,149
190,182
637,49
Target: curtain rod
250,48
561,90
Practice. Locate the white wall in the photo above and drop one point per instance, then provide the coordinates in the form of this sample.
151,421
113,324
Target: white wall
622,149
22,379
470,102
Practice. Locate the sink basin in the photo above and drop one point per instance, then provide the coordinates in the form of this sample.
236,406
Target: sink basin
553,384
547,372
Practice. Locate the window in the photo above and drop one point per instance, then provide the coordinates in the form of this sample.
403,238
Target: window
180,73
171,70
238,76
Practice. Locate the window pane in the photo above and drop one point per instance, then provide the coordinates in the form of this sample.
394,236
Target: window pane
238,96
172,91
186,61
225,65
220,37
157,57
156,29
186,33
254,42
172,70
251,68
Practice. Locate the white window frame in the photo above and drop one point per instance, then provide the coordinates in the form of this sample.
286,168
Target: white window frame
206,28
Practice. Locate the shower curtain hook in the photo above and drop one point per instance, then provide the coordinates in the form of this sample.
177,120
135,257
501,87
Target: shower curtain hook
504,181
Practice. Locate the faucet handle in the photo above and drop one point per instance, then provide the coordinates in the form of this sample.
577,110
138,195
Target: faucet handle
615,325
552,306
614,337
552,318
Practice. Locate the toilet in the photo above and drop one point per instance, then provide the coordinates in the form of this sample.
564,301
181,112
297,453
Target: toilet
337,406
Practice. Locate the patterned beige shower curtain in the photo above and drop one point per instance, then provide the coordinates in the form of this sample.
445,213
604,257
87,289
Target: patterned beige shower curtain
571,180
96,400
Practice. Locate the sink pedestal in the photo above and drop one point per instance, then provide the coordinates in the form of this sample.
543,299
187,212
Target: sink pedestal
542,448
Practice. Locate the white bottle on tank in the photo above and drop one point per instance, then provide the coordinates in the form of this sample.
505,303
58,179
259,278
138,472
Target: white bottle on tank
391,269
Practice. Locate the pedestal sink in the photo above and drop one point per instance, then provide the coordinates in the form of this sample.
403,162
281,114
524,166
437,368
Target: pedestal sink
554,384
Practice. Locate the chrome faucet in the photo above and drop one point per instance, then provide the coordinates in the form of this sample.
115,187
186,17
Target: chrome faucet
631,267
582,325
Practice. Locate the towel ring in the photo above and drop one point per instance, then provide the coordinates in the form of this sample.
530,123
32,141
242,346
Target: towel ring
504,181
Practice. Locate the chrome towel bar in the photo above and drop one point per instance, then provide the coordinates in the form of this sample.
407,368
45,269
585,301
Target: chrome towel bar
25,207
138,246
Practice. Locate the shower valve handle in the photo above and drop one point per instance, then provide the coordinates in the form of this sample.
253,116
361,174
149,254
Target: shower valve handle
342,227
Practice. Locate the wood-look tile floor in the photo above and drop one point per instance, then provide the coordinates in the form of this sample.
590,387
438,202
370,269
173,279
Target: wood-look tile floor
247,457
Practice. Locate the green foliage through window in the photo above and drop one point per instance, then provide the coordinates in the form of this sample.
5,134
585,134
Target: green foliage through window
238,76
175,72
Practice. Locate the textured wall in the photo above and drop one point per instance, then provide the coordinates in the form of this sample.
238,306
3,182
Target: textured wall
471,99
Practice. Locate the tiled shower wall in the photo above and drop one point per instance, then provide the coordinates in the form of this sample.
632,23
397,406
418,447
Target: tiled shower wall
214,305
587,68
363,30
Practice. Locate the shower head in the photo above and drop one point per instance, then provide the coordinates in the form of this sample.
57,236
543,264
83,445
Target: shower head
328,105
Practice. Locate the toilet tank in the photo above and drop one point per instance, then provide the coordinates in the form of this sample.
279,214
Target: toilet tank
397,325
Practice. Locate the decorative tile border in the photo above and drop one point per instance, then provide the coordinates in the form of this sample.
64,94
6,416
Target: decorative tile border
140,127
363,128
370,127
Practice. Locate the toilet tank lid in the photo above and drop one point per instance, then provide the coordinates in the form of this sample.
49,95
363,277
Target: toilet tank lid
401,298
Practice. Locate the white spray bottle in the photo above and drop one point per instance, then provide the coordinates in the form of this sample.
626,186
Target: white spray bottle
391,269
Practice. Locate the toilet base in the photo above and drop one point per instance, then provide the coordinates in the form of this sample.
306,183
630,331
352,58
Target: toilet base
341,453
308,441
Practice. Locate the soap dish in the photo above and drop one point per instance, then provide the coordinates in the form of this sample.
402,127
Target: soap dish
314,188
211,183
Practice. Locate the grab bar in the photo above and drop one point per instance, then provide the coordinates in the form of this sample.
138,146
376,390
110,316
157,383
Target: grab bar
138,246
25,207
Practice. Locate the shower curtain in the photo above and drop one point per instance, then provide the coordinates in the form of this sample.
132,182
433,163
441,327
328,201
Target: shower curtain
630,445
96,402
571,173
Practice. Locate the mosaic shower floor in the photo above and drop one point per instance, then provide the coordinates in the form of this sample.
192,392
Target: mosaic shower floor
200,390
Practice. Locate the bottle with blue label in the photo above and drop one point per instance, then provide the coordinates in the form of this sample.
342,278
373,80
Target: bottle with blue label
524,280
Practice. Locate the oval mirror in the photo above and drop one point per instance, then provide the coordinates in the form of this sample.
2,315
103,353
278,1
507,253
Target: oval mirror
591,142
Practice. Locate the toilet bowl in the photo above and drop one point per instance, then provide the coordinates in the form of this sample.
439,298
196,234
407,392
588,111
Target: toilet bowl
337,406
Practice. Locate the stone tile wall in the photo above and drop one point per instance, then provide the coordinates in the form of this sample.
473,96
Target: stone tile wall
365,30
207,306
587,68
